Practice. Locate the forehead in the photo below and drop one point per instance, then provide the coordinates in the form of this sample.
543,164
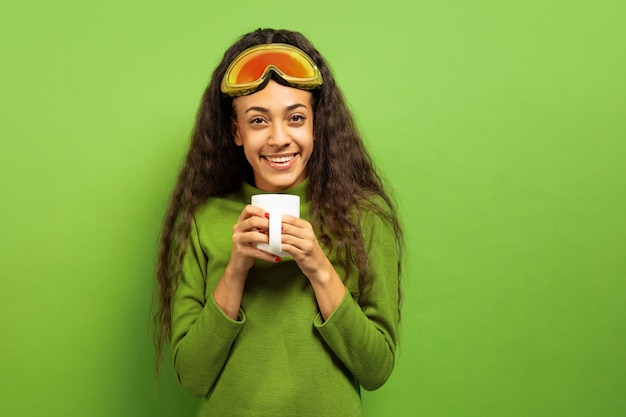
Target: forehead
274,97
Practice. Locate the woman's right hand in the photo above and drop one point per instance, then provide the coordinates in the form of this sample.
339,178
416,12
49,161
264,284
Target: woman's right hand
252,227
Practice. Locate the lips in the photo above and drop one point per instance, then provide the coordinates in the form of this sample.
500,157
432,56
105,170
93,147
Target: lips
280,161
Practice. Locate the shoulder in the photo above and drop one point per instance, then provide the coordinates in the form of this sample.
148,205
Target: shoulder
374,208
215,206
217,215
378,220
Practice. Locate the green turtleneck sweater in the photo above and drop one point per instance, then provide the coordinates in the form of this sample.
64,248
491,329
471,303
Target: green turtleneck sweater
280,358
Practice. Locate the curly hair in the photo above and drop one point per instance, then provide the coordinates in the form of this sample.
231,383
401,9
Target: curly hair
342,177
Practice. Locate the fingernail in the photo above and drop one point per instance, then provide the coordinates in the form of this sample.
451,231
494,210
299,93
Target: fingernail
277,259
267,215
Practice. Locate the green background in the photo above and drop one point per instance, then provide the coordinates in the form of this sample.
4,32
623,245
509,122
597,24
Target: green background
501,126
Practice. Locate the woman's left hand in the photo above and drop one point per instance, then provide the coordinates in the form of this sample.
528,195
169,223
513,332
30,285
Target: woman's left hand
299,240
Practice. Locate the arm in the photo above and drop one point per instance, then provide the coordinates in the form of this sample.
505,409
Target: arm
229,290
205,324
364,334
300,241
202,334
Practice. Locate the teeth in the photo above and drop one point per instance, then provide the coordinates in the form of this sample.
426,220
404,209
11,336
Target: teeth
279,159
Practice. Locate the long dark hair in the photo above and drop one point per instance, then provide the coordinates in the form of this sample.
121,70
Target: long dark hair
342,177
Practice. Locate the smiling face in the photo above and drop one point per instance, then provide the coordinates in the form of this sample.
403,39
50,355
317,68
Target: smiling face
275,128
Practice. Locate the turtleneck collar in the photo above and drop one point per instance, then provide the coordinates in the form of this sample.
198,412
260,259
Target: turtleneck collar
247,191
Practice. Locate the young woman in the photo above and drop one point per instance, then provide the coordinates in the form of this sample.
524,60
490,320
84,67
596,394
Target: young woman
253,334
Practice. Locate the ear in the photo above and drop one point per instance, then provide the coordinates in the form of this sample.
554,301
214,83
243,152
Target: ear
235,131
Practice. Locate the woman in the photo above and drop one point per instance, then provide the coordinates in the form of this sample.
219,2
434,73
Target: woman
251,333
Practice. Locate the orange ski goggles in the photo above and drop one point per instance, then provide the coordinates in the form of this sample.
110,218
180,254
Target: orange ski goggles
250,69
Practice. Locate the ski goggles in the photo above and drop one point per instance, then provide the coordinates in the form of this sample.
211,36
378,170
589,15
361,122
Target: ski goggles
251,68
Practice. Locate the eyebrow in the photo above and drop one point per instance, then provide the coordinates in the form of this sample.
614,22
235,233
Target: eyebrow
264,110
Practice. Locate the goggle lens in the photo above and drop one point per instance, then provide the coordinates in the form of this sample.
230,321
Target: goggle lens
255,64
250,69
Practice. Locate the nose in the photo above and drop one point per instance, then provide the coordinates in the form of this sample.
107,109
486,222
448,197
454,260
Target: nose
279,135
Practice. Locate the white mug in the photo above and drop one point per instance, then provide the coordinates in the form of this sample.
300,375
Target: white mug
276,205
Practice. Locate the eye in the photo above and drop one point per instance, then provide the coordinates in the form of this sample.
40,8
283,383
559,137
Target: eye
297,118
257,120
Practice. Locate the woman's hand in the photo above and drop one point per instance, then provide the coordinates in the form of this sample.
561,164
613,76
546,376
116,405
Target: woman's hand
251,228
299,240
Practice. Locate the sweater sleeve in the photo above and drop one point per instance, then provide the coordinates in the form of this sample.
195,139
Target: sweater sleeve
202,335
363,333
